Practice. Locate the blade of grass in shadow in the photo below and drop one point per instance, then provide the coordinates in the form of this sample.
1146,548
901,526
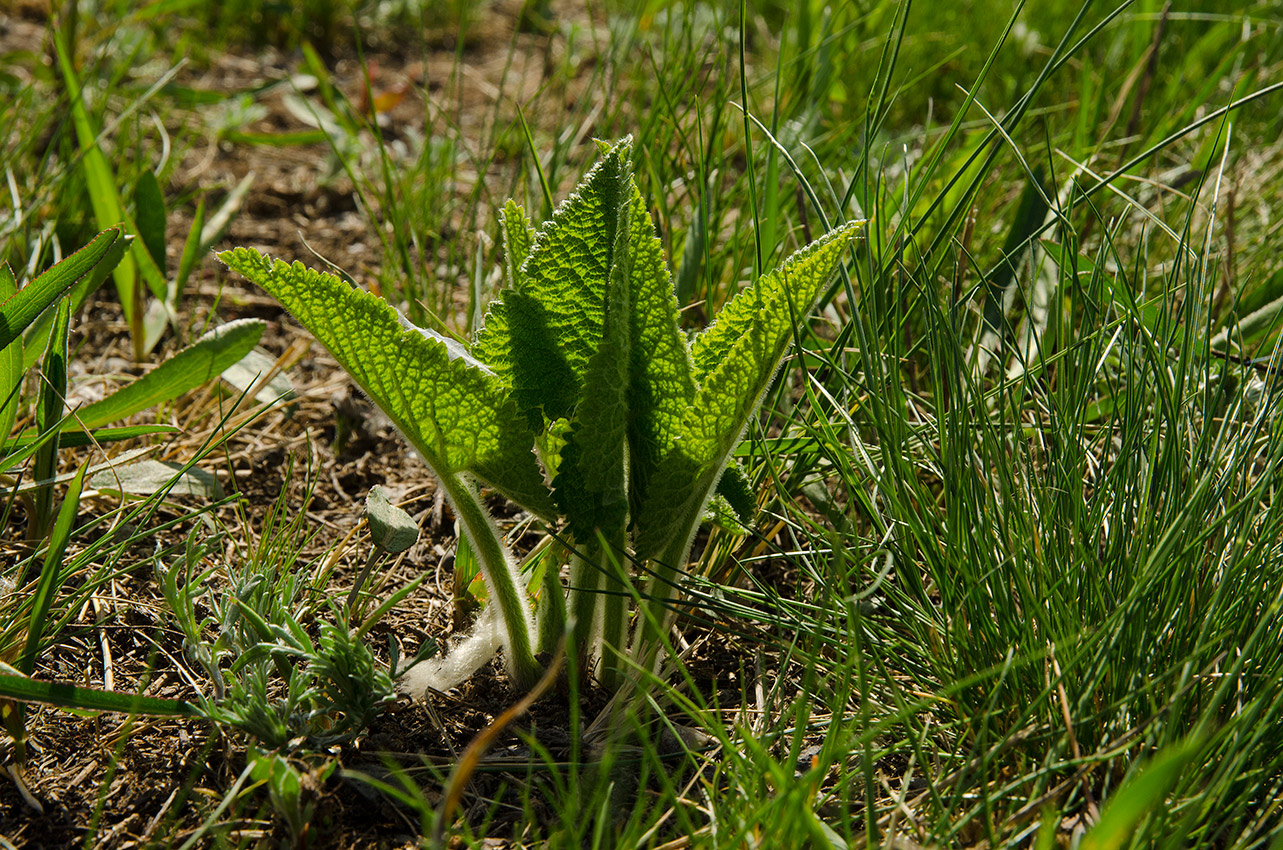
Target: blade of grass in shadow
76,698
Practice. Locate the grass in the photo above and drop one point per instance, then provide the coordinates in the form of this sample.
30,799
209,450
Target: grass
1015,577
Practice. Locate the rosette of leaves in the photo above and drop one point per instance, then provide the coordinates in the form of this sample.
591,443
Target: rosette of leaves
580,399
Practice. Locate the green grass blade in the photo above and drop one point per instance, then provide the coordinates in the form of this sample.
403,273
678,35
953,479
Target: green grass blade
76,438
192,251
1140,795
203,361
98,174
19,310
49,405
104,196
48,587
11,370
66,695
32,444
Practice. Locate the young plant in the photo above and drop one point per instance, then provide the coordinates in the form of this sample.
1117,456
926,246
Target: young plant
583,363
272,675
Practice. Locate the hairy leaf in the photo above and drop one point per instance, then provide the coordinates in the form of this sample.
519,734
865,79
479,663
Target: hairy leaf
592,484
518,234
452,409
20,309
660,382
737,490
735,360
541,335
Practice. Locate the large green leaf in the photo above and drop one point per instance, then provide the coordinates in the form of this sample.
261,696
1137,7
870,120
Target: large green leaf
450,407
540,336
103,195
735,360
660,382
592,481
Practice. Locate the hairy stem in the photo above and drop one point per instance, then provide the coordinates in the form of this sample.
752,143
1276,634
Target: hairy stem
614,602
502,577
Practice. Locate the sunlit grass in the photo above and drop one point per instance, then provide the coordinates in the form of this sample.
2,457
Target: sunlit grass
1017,534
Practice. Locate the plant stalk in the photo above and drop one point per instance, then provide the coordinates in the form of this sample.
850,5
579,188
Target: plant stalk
502,577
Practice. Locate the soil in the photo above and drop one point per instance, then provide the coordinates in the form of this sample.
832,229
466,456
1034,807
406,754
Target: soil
130,781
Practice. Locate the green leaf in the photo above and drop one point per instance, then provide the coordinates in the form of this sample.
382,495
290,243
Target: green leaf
450,407
454,410
661,385
149,215
592,480
21,309
518,234
75,438
391,529
37,334
736,489
98,174
50,401
147,477
103,195
11,370
735,360
203,361
540,336
192,251
1138,796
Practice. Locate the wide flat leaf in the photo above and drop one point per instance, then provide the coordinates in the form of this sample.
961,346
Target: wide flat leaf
104,198
735,360
541,335
660,382
147,477
762,316
455,412
592,481
202,361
